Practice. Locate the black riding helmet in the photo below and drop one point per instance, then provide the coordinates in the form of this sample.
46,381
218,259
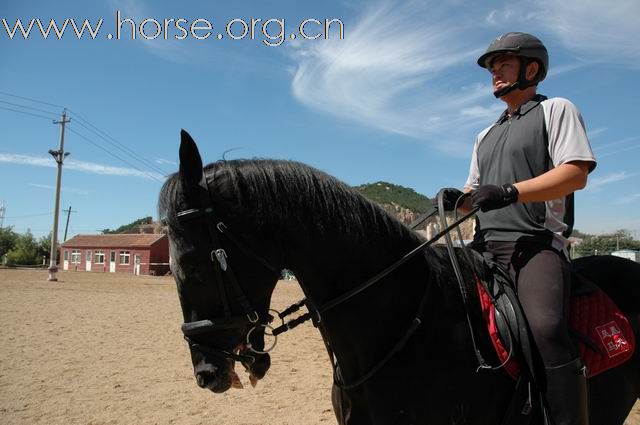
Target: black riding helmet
526,47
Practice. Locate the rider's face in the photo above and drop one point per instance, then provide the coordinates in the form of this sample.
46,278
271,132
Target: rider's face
504,70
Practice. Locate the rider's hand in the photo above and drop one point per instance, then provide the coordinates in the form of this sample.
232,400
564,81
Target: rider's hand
491,197
450,198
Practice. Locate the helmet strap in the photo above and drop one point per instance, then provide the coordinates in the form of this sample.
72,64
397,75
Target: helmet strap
522,82
505,90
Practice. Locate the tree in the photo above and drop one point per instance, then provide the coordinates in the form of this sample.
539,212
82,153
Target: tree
44,246
8,239
25,251
131,227
578,234
388,193
606,244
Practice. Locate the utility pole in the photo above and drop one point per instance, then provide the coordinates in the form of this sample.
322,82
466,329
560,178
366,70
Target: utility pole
2,210
59,157
66,227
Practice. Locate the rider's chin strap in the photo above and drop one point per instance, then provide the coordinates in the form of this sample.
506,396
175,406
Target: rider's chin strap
522,82
482,364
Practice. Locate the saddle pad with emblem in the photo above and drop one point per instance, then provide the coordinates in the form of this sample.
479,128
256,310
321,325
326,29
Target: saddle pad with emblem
604,335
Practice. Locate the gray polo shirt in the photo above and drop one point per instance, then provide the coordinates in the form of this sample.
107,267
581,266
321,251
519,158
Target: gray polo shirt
542,134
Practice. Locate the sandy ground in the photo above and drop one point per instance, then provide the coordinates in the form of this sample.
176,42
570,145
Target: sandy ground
107,349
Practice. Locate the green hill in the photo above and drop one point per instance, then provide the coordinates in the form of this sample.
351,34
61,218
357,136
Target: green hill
387,193
131,227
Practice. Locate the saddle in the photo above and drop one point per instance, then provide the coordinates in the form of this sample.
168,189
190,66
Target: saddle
603,334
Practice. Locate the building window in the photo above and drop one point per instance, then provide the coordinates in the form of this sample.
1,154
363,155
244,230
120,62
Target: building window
124,257
99,257
112,256
75,256
66,255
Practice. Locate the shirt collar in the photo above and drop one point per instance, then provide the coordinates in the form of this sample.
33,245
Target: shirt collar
523,109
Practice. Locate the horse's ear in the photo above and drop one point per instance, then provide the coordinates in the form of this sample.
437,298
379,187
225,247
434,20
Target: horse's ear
190,161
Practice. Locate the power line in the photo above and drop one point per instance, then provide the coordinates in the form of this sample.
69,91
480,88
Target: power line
114,155
31,99
88,126
26,113
55,114
124,149
29,215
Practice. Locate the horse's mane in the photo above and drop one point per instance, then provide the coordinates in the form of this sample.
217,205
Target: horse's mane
278,191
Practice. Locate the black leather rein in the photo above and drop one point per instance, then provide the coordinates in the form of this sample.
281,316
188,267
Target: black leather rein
251,318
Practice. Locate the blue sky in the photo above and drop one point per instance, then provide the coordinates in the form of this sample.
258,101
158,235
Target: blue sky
399,99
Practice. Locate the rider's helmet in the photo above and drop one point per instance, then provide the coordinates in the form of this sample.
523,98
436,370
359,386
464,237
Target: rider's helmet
526,47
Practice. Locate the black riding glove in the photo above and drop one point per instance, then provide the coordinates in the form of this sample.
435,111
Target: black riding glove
492,197
450,197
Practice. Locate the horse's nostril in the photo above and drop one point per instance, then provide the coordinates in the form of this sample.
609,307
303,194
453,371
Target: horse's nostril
213,381
202,381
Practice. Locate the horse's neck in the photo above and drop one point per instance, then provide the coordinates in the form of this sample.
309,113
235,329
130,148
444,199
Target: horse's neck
362,329
333,263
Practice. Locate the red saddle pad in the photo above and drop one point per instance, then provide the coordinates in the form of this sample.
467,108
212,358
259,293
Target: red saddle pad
594,316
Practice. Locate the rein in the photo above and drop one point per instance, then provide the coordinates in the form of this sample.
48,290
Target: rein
355,291
251,317
416,322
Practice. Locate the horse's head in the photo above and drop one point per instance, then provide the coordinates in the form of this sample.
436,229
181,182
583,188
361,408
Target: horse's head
224,270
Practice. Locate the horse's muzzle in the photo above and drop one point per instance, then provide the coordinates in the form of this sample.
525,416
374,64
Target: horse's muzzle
213,378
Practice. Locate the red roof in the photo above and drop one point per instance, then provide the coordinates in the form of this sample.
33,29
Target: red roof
113,241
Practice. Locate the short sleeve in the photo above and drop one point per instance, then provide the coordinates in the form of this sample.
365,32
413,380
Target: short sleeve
473,180
566,132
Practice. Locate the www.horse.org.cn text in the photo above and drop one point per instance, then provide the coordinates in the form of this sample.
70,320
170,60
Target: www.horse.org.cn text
272,31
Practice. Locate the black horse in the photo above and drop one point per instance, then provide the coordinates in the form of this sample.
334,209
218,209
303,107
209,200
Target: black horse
234,226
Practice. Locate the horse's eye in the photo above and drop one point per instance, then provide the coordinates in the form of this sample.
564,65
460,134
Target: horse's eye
188,267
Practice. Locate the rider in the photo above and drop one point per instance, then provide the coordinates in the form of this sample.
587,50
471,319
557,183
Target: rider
524,170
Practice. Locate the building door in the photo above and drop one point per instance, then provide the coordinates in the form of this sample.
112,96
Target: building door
65,262
112,261
136,264
87,261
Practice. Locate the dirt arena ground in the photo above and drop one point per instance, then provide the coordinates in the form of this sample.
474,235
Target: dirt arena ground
107,349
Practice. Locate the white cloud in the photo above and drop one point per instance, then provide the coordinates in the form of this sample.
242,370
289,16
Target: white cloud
629,199
592,30
556,70
509,14
600,31
162,161
395,72
615,152
619,146
169,49
72,164
593,134
63,189
597,183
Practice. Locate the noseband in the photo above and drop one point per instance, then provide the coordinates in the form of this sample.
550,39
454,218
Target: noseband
252,318
225,279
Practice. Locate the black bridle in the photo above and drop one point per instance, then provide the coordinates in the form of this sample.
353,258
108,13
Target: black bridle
251,317
225,279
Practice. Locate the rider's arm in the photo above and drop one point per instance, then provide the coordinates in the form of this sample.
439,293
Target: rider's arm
465,205
555,183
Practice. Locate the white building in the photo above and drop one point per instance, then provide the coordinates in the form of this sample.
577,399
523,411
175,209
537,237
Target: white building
628,253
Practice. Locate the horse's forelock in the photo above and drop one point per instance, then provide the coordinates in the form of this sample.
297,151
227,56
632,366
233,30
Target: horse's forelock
167,201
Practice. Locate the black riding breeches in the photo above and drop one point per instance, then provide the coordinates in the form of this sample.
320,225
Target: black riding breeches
543,282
